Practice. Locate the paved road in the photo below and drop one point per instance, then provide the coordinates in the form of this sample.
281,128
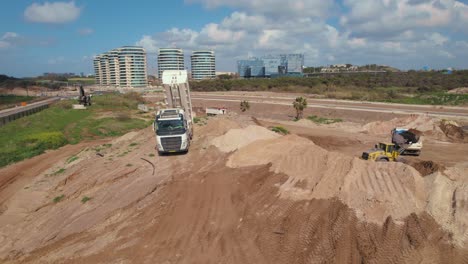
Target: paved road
437,111
15,110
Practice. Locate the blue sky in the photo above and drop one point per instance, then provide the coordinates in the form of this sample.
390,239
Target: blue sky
63,36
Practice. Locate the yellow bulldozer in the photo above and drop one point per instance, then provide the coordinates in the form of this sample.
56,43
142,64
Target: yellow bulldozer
383,152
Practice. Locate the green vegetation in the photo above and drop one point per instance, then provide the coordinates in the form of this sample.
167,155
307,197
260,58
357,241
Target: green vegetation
196,120
133,144
151,155
280,130
14,99
59,198
72,159
82,80
401,87
129,165
323,120
60,171
58,125
85,199
299,105
244,106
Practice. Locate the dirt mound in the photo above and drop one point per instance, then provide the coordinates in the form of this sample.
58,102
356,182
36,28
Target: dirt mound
448,201
452,130
426,167
225,215
215,127
237,138
427,125
461,90
375,190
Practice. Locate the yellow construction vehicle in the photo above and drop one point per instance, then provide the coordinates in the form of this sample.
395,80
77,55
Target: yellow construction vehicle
383,152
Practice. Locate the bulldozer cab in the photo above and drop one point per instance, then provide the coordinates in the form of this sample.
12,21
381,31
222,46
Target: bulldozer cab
387,147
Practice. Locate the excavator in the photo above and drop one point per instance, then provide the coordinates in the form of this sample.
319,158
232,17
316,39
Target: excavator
84,99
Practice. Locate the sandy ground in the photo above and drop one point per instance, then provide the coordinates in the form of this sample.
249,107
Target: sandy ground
241,195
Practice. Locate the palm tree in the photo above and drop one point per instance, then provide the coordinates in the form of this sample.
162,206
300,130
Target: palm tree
299,104
244,106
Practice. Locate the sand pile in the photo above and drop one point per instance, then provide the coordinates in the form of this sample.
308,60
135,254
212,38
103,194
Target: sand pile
461,90
448,201
422,123
237,138
452,130
374,190
215,127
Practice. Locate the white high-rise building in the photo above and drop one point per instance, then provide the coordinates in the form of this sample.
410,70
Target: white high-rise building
170,59
122,67
203,65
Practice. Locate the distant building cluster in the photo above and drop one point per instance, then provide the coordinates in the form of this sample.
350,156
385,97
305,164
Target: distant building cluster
271,66
339,68
203,62
122,67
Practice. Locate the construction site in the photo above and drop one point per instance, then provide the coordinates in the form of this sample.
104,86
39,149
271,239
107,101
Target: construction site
241,193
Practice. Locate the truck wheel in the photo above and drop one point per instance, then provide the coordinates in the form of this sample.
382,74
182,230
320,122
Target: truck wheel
382,160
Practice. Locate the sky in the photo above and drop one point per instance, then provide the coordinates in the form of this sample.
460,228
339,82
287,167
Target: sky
63,36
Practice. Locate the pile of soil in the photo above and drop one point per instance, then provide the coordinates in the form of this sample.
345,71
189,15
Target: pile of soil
280,200
461,90
426,167
237,138
423,123
452,130
374,190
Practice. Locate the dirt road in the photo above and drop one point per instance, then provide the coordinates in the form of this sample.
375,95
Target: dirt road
220,98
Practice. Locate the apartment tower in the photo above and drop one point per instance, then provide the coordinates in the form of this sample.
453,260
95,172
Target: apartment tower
203,65
122,67
170,59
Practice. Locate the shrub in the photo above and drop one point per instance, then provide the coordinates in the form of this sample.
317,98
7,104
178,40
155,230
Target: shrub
280,130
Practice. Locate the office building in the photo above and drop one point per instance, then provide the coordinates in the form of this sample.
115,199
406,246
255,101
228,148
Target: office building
253,67
203,65
271,66
170,59
122,67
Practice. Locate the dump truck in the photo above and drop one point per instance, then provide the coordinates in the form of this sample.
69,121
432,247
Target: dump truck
409,139
173,126
383,152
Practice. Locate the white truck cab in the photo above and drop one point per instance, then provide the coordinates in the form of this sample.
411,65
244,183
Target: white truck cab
172,130
173,125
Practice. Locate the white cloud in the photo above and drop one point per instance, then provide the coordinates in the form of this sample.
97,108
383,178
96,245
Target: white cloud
10,39
275,8
52,12
402,33
85,31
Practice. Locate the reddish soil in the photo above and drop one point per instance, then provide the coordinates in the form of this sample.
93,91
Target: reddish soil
192,208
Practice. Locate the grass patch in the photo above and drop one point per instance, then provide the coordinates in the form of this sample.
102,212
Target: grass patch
58,198
133,144
324,120
129,165
60,125
85,199
151,155
196,120
280,130
72,159
6,100
60,171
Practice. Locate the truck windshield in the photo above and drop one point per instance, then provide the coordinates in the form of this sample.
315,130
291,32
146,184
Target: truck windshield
170,127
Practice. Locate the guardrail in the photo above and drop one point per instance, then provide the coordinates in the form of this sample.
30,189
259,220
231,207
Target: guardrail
11,114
